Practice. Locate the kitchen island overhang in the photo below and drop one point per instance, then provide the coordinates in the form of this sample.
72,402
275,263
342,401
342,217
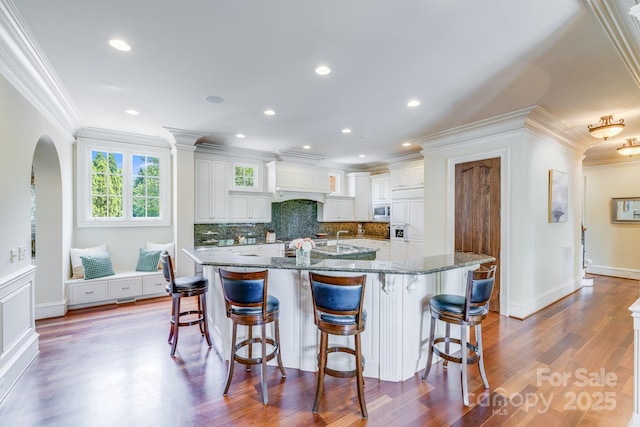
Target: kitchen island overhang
396,298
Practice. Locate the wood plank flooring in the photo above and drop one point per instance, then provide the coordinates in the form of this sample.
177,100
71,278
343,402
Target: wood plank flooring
568,365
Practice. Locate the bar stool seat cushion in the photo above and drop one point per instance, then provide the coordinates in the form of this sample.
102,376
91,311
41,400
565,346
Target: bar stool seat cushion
273,304
189,283
454,304
342,319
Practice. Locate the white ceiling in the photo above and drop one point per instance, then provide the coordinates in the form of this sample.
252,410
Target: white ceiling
464,60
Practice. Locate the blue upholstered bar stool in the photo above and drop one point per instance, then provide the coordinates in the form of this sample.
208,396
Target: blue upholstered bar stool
337,308
468,310
248,304
179,287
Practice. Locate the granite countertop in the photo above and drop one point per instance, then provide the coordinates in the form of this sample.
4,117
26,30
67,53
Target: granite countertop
432,264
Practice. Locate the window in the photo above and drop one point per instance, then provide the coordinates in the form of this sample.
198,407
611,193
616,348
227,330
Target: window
122,184
245,177
335,183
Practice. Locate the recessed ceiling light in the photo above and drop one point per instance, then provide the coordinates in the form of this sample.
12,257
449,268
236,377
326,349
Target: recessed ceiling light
132,112
413,103
362,156
323,70
306,147
212,99
346,130
269,112
406,144
120,45
239,135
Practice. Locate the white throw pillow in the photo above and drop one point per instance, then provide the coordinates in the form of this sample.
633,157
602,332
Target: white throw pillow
77,270
169,247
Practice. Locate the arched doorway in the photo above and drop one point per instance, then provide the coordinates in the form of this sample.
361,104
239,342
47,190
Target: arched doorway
47,230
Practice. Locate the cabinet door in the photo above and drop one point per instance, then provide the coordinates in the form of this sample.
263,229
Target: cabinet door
238,208
260,208
335,209
415,214
210,191
362,201
399,250
398,212
203,190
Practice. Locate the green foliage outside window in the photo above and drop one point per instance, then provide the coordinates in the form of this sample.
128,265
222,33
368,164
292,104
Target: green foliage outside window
146,187
243,176
106,185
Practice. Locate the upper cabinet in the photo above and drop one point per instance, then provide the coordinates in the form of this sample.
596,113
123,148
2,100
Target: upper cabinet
381,188
211,189
214,203
338,209
283,177
408,176
359,185
251,208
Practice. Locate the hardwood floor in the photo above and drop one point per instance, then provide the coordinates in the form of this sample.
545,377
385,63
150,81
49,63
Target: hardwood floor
569,365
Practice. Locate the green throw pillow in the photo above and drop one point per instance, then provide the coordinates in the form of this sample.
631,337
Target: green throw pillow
98,265
148,260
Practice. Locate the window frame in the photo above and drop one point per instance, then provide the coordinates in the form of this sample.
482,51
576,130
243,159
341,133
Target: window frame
256,176
84,216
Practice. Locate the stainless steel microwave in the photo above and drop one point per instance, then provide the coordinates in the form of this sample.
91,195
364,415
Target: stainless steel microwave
382,212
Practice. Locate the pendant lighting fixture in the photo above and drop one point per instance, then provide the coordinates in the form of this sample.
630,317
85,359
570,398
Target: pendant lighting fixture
606,128
630,148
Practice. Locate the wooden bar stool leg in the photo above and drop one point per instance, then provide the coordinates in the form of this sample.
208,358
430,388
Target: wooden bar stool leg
176,325
481,353
172,319
205,323
360,377
464,352
263,372
232,357
432,332
322,362
277,335
249,347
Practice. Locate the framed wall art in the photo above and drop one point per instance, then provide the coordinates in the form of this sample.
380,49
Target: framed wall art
558,196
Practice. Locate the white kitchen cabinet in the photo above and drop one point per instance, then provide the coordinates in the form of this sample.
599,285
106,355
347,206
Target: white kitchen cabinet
296,177
359,185
410,213
249,208
408,176
211,190
381,188
125,286
336,209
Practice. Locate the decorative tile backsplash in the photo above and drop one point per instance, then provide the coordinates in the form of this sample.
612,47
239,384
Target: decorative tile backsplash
290,219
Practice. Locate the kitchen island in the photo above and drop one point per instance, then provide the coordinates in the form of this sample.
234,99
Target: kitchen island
396,299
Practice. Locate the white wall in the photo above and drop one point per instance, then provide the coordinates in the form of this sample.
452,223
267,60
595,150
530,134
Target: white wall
613,248
540,261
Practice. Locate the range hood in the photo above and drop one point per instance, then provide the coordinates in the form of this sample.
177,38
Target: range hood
286,195
292,181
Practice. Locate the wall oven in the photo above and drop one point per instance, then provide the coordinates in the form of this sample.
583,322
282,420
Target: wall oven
382,212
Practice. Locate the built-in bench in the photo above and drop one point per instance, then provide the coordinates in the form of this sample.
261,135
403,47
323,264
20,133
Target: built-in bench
118,288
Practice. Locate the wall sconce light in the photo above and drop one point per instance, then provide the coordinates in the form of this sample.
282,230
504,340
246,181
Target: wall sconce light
606,128
630,148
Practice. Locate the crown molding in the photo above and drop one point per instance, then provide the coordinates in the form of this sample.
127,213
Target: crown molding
622,28
25,66
125,137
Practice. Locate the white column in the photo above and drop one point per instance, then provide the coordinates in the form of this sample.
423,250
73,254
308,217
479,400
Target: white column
635,313
183,188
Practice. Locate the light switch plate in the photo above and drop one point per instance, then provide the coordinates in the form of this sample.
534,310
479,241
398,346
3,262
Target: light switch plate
14,254
22,252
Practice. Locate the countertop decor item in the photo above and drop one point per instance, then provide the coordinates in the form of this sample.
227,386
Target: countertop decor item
303,250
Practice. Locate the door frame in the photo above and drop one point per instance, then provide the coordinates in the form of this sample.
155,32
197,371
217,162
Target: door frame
505,172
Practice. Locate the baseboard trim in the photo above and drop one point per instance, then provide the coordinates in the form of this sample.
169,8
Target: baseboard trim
14,368
52,309
625,273
522,311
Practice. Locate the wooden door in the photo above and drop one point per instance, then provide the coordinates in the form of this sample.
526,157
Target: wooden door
477,213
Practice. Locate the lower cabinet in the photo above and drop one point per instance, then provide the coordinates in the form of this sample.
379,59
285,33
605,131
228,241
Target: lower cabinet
119,287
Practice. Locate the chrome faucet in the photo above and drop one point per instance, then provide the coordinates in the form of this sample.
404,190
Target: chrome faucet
338,236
